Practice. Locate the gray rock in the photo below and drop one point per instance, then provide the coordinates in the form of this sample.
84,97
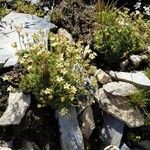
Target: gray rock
136,78
119,88
112,131
120,108
17,106
111,147
71,136
124,147
8,34
87,122
102,77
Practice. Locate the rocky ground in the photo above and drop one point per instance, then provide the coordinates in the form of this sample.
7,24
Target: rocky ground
110,121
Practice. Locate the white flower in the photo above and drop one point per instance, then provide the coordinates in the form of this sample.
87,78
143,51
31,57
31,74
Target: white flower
25,56
61,57
5,78
40,52
59,79
73,89
67,86
10,88
29,67
137,12
47,91
63,71
22,61
92,55
54,44
121,22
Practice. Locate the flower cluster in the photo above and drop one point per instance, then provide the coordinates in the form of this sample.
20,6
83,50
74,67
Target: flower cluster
54,76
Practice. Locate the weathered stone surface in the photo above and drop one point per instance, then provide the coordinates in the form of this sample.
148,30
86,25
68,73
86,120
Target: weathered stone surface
136,78
119,88
120,108
102,77
112,130
111,147
87,122
71,136
8,33
17,106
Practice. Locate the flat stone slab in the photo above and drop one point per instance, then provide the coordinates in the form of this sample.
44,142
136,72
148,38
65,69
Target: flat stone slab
17,106
136,78
112,131
8,34
71,137
120,88
87,122
119,107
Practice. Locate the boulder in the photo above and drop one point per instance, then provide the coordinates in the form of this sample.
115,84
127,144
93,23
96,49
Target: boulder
17,106
136,78
102,77
112,131
71,136
119,88
119,107
13,23
87,122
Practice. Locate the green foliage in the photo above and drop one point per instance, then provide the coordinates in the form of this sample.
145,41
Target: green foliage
24,7
141,98
118,33
147,72
3,11
57,76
